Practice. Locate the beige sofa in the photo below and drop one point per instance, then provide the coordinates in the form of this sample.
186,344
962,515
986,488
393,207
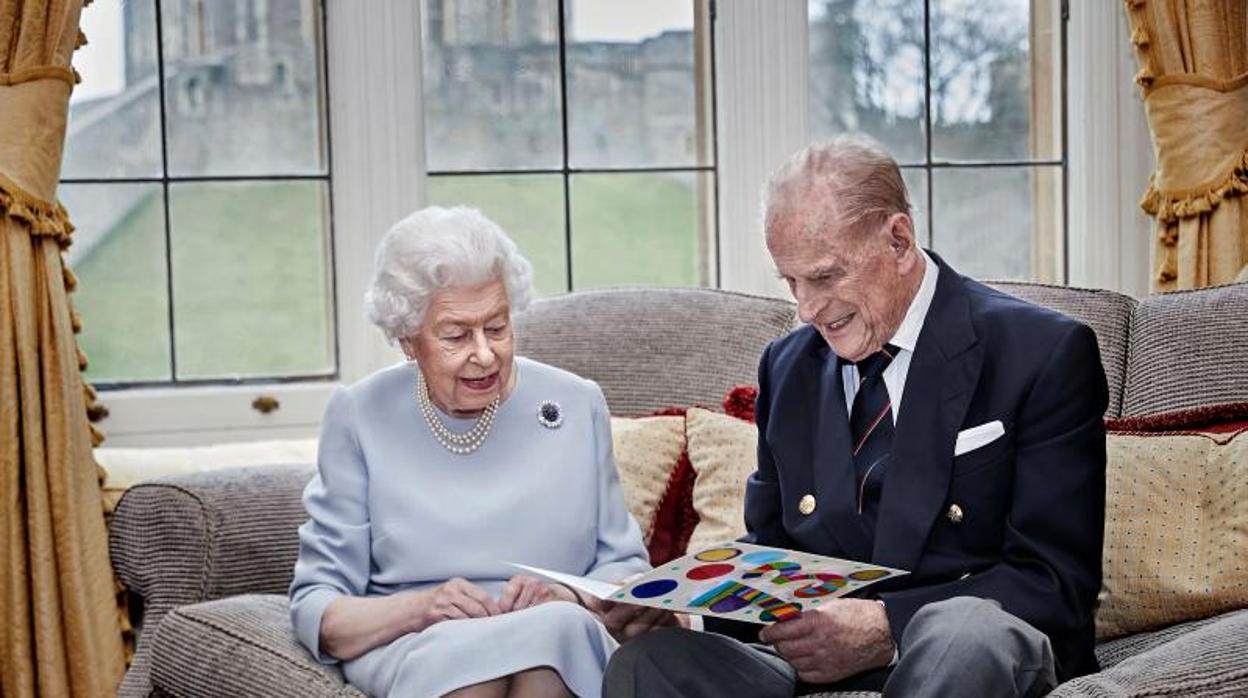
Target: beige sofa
207,557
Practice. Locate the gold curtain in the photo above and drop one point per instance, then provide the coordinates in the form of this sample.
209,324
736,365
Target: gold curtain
60,633
1193,57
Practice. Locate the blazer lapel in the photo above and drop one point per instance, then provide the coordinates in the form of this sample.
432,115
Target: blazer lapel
833,467
941,380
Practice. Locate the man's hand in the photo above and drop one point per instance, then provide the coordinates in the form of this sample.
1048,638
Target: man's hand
832,642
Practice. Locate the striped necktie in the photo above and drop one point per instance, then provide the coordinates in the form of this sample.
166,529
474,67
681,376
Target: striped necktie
871,428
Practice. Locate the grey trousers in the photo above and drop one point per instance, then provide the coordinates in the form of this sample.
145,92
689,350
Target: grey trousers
960,647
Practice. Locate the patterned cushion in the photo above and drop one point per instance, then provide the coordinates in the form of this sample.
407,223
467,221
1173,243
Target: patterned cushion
654,348
241,646
1176,530
723,452
1188,350
1106,312
647,451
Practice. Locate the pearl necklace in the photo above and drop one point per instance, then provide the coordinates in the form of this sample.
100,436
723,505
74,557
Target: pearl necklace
455,442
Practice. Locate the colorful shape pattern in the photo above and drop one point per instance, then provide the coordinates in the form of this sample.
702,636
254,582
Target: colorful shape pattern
759,557
824,583
710,571
731,596
768,568
717,554
653,588
868,575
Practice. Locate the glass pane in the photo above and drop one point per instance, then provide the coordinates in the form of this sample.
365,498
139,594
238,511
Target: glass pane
640,229
632,84
250,281
118,256
114,113
492,84
866,72
528,207
982,81
243,87
1000,222
916,187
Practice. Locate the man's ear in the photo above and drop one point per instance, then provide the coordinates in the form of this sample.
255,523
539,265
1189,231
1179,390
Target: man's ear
900,233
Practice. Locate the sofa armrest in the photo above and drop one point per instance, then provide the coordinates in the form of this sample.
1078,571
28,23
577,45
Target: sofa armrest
240,646
191,538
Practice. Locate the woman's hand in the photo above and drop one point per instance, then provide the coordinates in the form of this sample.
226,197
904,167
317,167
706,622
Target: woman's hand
454,599
523,591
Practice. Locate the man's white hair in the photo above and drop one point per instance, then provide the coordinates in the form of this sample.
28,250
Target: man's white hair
851,178
437,248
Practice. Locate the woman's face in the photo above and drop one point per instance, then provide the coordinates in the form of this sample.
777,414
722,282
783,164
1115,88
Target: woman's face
465,348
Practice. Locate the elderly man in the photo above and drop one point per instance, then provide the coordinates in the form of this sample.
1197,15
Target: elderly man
919,420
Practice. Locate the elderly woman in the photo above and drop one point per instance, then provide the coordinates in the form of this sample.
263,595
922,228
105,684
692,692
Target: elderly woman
437,473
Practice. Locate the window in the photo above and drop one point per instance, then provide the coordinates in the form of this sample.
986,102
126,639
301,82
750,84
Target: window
584,127
197,173
968,96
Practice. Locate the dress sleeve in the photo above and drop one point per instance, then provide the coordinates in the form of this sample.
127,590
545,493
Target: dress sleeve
334,555
621,552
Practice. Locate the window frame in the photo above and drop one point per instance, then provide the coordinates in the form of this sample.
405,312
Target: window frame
377,165
705,116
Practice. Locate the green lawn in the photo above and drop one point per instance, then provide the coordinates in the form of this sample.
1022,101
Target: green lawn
249,285
250,275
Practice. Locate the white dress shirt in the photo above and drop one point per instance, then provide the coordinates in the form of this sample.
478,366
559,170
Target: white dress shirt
905,339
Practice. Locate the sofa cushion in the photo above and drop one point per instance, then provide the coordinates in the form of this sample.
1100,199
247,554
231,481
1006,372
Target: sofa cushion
723,452
1188,350
1205,659
654,348
647,453
1113,652
244,645
1106,312
1176,529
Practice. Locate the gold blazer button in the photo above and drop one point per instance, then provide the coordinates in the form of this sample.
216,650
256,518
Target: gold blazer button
954,514
807,505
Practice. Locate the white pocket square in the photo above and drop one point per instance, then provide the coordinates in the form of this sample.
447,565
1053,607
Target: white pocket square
977,437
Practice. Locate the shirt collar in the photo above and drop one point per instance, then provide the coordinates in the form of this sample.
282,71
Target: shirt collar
907,335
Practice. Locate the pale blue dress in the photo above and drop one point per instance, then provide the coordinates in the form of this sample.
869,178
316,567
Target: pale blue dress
391,510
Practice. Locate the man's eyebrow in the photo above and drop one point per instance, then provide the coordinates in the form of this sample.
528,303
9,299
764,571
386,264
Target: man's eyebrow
828,270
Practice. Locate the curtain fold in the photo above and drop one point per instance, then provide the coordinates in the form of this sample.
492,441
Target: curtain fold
61,633
1193,57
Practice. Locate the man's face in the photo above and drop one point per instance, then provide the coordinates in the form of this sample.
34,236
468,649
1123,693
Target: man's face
853,286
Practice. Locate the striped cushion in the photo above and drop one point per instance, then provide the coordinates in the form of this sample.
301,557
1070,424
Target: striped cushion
1188,348
1206,659
654,348
240,646
190,538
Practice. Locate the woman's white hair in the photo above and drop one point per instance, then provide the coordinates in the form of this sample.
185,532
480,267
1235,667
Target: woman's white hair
437,248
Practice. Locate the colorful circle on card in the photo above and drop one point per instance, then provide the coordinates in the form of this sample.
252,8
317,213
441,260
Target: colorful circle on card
717,554
768,568
710,571
657,587
868,575
761,557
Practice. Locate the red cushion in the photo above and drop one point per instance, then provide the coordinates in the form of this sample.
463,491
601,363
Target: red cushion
675,517
1218,419
739,402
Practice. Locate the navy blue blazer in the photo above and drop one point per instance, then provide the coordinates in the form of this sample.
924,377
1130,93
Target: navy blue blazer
1032,502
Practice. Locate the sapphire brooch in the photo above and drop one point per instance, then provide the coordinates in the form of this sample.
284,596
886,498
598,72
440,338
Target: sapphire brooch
549,415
